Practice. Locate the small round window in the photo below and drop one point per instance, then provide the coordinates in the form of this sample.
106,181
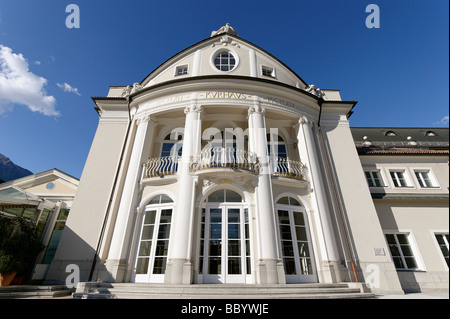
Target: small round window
225,61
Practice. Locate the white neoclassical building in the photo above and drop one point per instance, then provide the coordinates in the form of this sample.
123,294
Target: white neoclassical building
224,166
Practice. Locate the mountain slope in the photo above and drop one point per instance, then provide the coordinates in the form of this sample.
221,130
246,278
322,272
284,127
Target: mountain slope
10,171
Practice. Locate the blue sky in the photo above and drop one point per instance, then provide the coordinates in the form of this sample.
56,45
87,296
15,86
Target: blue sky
399,73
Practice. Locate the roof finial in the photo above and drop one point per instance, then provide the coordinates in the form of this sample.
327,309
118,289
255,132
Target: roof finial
225,29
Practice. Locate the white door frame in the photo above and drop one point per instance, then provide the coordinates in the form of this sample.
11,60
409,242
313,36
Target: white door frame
244,244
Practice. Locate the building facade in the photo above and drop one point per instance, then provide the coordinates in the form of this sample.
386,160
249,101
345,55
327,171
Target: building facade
224,166
46,199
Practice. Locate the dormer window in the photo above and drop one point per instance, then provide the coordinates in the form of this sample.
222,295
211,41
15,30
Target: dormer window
180,70
430,133
390,133
268,71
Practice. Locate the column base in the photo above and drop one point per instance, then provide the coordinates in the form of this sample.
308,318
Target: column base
270,271
113,271
179,272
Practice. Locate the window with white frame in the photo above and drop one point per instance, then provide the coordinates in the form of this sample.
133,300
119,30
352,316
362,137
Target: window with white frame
180,70
268,71
374,178
401,251
443,240
399,178
424,179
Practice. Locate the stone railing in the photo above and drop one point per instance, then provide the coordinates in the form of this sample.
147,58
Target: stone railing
285,167
225,157
161,166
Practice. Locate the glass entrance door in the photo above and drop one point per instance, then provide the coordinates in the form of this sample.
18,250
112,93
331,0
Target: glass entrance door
225,245
295,242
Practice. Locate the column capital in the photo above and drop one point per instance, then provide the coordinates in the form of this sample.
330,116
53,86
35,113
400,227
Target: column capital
193,108
303,120
144,118
256,109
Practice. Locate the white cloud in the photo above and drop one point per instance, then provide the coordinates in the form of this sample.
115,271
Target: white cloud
37,62
68,88
443,121
20,86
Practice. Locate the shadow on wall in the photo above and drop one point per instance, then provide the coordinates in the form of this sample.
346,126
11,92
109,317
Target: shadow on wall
73,262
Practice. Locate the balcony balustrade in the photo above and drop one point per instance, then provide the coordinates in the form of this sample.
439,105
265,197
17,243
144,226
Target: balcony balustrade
226,157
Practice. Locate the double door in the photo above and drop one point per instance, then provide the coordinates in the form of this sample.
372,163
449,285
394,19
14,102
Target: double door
225,245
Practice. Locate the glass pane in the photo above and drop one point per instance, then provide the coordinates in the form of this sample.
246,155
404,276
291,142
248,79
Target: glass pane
299,219
411,262
283,200
301,233
390,239
249,266
287,248
142,266
234,231
294,202
394,250
289,266
406,250
285,232
402,239
283,217
215,231
398,262
234,215
215,248
233,197
214,266
147,232
234,248
29,213
164,231
159,267
17,211
166,216
440,239
63,214
150,217
166,199
303,250
234,266
155,200
305,266
215,215
161,248
217,197
144,249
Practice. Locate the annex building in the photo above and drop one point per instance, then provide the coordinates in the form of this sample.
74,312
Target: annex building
224,166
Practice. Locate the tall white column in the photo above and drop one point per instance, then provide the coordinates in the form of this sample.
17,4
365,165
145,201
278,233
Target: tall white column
269,265
179,266
327,238
118,251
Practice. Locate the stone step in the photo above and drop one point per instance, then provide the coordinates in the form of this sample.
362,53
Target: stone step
236,291
34,291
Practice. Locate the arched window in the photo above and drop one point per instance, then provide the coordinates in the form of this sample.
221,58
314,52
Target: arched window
172,144
224,195
276,146
154,235
390,133
295,242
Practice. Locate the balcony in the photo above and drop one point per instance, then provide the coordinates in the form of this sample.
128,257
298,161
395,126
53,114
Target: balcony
161,166
226,157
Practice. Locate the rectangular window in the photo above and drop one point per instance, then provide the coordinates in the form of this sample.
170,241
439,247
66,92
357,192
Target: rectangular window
268,71
423,178
181,70
443,240
401,251
398,177
374,179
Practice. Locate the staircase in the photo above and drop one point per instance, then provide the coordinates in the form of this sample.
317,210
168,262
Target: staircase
94,290
34,292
